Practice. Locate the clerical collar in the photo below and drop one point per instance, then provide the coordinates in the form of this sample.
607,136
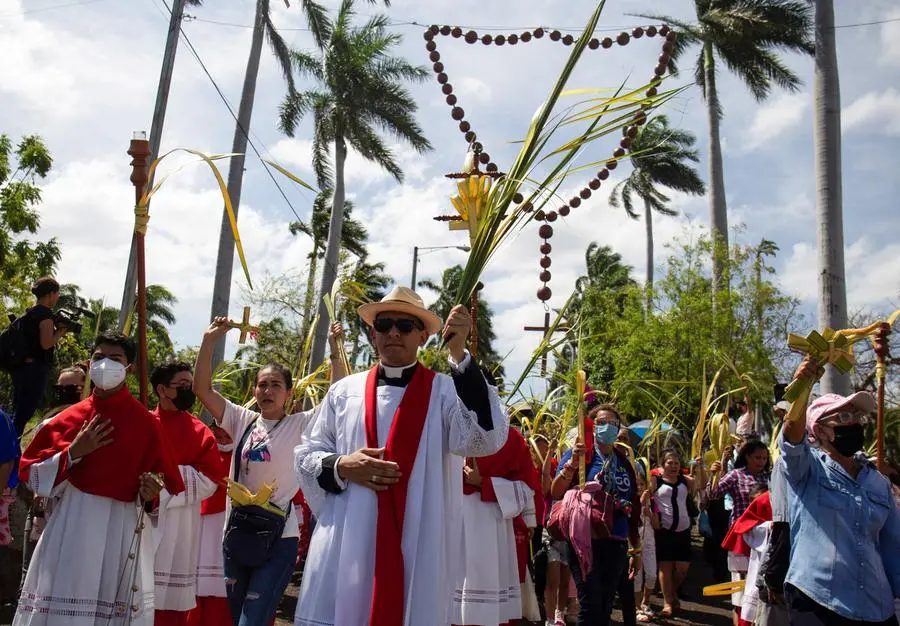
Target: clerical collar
396,376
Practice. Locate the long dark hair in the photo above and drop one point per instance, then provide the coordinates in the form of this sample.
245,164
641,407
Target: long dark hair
749,448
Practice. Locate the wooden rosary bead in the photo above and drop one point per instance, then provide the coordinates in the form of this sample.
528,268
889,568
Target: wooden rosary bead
540,216
651,31
525,37
471,36
512,39
491,167
618,153
603,174
431,46
538,33
585,193
517,198
445,30
575,202
664,30
551,216
447,90
464,126
545,276
564,210
567,40
442,78
456,32
438,67
606,42
594,43
623,39
499,40
594,184
484,157
555,35
435,56
637,32
451,99
611,165
457,113
544,293
546,262
487,40
470,136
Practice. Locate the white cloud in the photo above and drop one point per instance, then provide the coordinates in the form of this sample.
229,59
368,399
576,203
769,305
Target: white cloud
879,112
774,120
870,272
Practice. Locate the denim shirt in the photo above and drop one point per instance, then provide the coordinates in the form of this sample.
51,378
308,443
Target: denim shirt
845,535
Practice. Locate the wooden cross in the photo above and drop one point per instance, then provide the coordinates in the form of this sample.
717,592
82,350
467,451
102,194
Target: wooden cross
244,326
546,330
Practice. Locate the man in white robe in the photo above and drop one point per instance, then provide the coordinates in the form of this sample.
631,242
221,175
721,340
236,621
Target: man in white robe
382,472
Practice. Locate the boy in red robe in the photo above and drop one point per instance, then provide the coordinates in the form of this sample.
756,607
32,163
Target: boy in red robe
177,520
106,458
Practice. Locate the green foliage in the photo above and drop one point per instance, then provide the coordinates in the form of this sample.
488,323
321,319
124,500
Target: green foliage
484,324
627,354
22,260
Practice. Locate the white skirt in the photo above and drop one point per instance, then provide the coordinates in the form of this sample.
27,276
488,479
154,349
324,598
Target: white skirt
83,572
210,567
489,592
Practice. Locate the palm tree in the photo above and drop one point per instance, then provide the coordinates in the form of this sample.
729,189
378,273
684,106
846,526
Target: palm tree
360,91
353,240
829,194
160,315
659,158
605,270
746,37
766,247
263,26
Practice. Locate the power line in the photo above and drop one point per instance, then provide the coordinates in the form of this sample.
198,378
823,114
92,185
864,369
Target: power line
234,116
570,29
51,8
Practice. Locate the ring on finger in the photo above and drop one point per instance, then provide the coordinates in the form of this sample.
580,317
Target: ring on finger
374,478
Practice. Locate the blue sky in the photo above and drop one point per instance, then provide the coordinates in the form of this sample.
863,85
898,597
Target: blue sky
84,76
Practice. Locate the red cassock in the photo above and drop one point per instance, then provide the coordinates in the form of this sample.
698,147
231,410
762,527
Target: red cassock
192,443
512,462
213,610
113,471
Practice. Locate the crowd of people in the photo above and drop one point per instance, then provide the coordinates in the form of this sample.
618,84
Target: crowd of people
409,497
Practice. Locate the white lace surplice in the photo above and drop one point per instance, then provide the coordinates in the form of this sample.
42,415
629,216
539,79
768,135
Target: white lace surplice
341,560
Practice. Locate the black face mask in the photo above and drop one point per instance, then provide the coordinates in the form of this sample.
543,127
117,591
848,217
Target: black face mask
848,440
66,394
184,399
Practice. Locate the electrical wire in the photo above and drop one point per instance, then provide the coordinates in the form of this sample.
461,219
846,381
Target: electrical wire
228,106
569,29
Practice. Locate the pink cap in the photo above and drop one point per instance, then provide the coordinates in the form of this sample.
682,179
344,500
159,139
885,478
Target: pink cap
830,403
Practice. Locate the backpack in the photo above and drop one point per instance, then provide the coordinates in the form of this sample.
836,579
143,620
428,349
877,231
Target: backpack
12,344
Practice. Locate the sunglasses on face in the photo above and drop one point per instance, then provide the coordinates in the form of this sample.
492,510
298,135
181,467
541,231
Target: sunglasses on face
403,326
844,418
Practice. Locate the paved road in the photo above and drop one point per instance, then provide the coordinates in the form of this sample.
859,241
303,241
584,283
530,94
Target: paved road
697,611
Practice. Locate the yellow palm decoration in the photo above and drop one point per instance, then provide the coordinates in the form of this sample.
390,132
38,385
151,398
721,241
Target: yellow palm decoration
470,202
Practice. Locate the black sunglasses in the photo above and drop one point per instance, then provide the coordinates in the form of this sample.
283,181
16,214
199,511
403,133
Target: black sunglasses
404,326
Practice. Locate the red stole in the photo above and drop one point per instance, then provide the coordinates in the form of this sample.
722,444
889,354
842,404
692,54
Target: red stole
401,448
112,471
512,462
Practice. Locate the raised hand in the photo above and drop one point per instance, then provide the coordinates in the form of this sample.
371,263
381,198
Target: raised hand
456,331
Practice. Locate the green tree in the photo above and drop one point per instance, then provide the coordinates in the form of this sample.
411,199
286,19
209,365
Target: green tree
661,156
263,27
745,37
689,335
605,270
353,240
22,260
373,281
360,90
484,323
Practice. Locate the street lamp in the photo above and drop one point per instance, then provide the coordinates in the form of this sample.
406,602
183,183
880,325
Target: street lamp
430,248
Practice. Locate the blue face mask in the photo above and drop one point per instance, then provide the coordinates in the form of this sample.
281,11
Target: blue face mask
606,434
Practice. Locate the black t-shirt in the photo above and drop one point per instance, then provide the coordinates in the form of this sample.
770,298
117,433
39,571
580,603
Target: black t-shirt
31,328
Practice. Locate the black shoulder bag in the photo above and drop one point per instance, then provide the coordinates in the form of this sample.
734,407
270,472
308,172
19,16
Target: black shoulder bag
252,531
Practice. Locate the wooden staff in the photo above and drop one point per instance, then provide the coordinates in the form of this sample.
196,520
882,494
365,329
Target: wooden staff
882,352
139,151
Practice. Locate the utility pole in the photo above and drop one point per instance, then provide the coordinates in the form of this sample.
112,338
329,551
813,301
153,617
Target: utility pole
159,115
415,263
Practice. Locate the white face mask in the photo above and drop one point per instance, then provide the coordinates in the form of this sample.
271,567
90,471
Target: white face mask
226,447
107,374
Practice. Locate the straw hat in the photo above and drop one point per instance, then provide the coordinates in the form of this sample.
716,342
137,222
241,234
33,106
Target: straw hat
401,300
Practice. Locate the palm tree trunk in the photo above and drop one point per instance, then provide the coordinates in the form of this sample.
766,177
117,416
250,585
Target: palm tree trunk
225,260
829,211
648,285
332,252
718,210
